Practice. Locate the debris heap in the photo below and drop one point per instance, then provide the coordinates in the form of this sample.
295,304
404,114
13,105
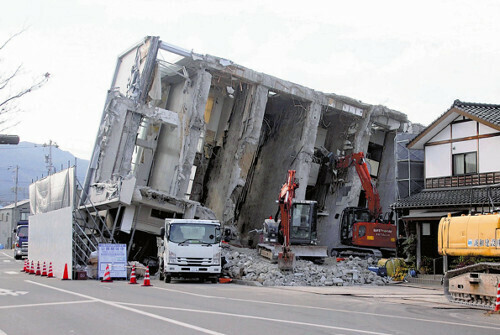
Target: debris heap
246,264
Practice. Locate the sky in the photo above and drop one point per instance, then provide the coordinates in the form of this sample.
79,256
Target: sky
414,57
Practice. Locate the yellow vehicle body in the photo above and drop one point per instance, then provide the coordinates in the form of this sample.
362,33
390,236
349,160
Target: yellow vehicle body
470,235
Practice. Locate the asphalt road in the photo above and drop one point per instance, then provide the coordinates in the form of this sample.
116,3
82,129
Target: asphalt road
32,304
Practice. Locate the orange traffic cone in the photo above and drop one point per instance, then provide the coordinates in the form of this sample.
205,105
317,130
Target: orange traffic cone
38,272
24,268
146,278
65,274
32,268
44,270
50,274
497,304
107,276
132,276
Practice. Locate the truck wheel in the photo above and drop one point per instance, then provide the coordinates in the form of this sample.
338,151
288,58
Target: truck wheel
168,278
334,253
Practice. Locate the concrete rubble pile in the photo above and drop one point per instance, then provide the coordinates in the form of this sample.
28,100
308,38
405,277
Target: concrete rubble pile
246,264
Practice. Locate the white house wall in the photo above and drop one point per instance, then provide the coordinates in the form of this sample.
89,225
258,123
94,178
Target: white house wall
437,161
443,135
488,154
464,129
483,130
464,146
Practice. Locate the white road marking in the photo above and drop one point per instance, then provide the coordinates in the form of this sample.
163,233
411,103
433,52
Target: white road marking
47,304
6,260
179,323
329,309
7,255
12,293
11,272
357,331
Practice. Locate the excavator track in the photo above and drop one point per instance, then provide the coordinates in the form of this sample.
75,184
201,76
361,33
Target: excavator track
482,300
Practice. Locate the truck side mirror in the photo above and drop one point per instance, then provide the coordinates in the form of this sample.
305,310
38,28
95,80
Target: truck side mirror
218,235
337,216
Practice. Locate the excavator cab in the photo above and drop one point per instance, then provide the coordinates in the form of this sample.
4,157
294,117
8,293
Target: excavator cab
304,221
350,216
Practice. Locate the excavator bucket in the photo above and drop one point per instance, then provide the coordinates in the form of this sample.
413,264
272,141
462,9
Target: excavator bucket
286,261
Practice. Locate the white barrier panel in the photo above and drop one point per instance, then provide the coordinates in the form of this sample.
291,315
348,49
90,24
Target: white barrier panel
51,240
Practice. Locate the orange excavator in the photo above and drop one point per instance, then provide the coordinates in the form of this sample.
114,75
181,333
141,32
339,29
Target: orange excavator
363,230
294,234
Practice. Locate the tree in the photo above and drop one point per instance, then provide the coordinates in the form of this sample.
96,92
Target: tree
11,91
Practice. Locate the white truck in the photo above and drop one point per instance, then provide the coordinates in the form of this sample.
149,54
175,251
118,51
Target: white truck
190,248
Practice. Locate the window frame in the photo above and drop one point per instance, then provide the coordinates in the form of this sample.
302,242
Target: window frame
463,162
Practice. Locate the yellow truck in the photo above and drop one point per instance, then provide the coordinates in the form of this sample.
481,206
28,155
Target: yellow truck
471,235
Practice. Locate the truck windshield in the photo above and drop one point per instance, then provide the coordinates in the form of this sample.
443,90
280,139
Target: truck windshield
22,231
192,233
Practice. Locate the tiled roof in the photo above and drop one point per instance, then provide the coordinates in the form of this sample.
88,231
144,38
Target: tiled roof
487,112
451,197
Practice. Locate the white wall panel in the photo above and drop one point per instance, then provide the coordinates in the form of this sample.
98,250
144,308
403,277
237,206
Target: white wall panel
489,160
443,135
483,129
464,146
51,240
437,161
464,129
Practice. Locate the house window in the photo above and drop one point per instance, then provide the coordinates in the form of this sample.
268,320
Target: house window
465,163
426,229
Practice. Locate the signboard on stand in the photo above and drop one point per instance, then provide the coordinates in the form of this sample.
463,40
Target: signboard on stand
114,255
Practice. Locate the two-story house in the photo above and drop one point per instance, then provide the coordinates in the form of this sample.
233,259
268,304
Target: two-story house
462,174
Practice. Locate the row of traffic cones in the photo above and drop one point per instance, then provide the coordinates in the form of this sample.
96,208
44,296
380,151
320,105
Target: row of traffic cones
30,269
133,279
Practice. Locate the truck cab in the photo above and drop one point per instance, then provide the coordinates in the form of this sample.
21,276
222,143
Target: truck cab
190,248
21,240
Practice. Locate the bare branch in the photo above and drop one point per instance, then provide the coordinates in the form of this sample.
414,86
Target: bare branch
27,90
5,82
12,37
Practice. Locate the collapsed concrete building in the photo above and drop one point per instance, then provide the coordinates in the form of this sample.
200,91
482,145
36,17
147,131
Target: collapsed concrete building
196,136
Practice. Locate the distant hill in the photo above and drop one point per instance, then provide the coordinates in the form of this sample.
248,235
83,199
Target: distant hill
30,158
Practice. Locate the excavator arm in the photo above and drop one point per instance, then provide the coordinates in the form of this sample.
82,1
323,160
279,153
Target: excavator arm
372,196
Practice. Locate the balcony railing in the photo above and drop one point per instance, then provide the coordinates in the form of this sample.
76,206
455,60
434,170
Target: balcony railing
466,180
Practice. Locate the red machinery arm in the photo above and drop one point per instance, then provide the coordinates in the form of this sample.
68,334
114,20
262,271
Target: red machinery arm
358,160
286,196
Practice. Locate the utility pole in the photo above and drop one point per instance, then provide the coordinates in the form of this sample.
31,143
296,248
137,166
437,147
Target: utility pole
14,212
48,158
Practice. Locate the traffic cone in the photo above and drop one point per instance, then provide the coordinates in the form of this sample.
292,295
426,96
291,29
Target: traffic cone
146,278
107,276
50,274
132,276
44,270
38,272
24,268
32,268
497,305
65,274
